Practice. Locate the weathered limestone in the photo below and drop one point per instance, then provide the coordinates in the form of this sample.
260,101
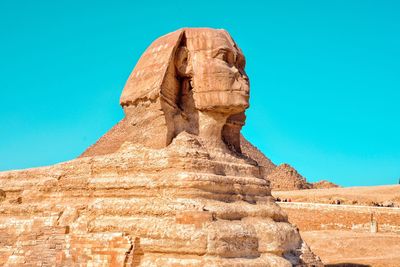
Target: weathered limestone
167,186
285,177
324,184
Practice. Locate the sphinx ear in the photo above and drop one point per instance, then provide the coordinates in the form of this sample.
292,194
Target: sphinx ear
182,62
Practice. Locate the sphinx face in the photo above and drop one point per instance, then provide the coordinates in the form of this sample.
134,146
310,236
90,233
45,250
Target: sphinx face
219,81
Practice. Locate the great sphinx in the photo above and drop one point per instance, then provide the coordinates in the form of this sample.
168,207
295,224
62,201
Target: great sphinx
167,186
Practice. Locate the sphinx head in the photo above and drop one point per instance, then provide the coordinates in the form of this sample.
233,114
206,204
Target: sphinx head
214,64
196,78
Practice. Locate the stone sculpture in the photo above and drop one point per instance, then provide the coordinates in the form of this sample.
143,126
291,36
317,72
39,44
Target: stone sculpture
167,186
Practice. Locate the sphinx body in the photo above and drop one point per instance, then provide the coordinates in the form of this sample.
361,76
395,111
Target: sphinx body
167,186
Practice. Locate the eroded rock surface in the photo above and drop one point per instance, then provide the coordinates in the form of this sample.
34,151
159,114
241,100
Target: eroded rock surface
323,184
285,177
167,186
253,152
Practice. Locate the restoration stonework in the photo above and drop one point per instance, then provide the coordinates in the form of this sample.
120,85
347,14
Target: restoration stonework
167,186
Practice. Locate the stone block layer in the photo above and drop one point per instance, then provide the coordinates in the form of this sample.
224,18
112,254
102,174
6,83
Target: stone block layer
183,205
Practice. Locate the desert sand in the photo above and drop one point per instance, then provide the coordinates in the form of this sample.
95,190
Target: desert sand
343,234
362,195
370,249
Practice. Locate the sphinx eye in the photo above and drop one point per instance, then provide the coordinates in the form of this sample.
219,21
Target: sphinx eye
226,56
240,61
222,55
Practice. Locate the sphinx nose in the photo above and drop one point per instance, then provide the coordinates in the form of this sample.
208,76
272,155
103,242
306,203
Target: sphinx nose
241,74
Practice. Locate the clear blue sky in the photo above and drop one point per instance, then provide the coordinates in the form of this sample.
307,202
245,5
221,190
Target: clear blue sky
325,78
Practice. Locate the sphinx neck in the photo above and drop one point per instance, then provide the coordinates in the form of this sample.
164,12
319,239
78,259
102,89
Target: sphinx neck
210,128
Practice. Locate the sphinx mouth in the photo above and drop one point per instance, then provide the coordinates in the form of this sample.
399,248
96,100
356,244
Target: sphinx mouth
239,92
243,93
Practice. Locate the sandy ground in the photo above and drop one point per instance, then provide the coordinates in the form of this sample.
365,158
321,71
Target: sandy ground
336,248
366,195
348,247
